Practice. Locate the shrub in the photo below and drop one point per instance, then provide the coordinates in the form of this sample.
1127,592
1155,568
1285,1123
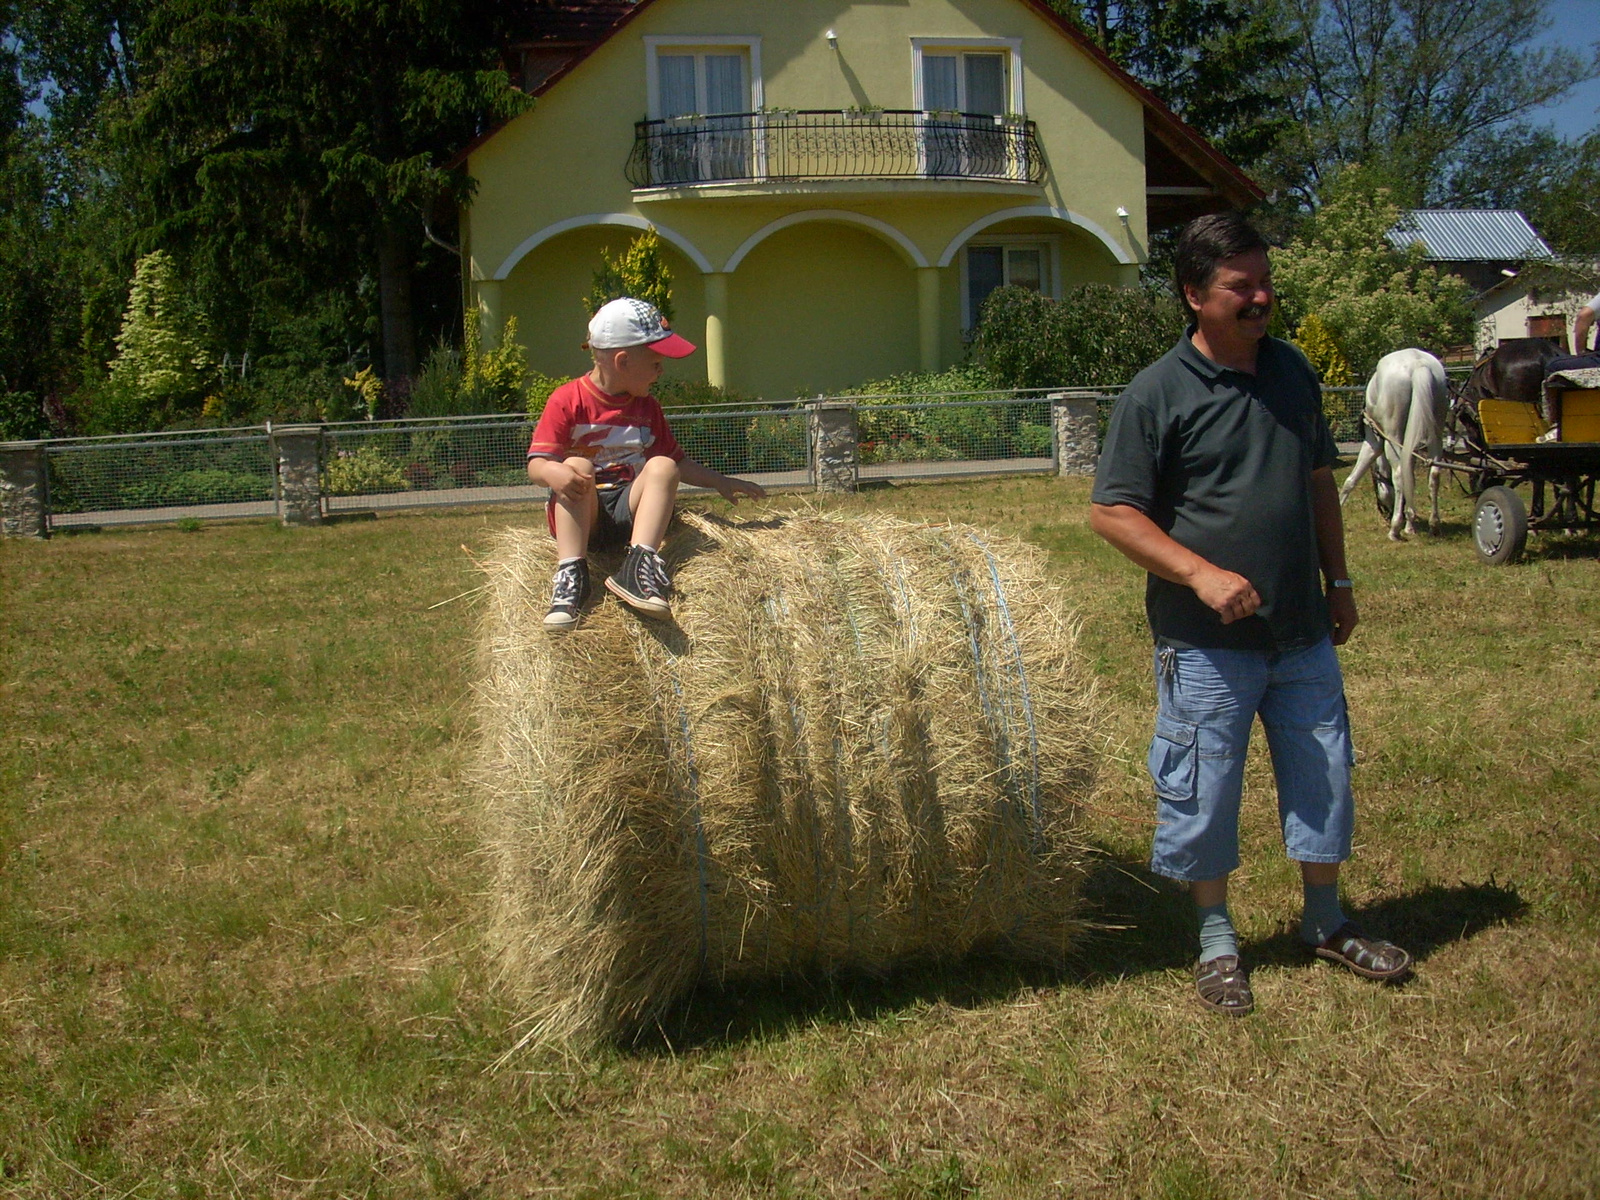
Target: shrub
639,272
1316,341
493,381
539,388
22,417
1097,334
162,365
204,486
363,472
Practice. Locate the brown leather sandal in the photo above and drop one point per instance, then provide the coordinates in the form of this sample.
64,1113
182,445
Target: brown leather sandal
1223,985
1369,957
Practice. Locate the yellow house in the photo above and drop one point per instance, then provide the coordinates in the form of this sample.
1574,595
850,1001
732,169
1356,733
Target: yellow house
839,183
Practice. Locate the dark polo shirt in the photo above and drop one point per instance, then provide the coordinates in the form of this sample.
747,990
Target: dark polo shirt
1222,461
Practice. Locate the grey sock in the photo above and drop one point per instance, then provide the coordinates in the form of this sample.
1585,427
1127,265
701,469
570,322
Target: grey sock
1323,915
1217,935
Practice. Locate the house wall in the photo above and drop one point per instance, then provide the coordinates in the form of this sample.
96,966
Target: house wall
1505,311
563,162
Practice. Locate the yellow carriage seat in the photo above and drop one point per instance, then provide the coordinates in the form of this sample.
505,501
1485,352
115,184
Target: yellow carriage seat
1511,422
1580,415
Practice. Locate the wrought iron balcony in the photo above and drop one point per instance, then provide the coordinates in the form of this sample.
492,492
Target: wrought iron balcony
784,146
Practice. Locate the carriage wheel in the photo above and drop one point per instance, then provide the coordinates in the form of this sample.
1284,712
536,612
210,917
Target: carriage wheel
1500,526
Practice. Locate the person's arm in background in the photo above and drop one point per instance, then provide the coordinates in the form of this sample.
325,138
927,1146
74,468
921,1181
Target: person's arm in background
1580,330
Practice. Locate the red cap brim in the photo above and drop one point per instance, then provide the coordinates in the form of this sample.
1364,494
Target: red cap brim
673,346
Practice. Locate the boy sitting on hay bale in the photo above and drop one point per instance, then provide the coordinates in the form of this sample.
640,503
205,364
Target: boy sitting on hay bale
605,451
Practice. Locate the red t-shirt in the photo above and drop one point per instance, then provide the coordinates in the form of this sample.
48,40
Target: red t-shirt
616,433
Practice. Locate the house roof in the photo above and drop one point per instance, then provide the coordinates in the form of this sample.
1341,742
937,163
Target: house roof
588,24
575,23
1471,235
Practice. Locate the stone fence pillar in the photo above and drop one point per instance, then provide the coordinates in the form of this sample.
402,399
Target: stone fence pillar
24,490
1077,422
298,449
835,452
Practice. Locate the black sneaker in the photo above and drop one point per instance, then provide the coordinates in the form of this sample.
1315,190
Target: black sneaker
642,583
568,596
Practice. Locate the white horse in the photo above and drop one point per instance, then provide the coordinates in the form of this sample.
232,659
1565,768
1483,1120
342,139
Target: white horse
1407,402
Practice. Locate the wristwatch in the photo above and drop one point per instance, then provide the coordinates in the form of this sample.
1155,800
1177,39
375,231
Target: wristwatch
1341,583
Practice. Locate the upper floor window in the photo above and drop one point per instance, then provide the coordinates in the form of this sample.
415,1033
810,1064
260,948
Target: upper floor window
971,76
702,76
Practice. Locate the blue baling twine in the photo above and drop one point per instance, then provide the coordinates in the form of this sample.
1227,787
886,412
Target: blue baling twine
1022,679
701,853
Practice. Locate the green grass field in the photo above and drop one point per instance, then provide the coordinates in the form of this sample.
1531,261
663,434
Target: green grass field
240,904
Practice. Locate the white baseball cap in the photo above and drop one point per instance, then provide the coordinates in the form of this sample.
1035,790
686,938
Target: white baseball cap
627,322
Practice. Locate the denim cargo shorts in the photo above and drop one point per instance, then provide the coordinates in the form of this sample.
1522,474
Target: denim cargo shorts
1207,701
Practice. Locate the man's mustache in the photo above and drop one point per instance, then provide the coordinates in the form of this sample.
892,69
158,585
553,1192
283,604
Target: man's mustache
1251,312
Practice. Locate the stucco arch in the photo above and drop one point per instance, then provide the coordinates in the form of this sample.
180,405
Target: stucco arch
632,221
882,228
1120,254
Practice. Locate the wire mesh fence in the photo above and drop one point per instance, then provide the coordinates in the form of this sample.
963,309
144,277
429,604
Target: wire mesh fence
483,460
405,464
156,478
967,436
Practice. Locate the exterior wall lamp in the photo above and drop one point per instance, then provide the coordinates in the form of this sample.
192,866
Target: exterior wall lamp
833,39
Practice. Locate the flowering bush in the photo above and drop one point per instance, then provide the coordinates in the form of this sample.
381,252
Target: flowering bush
363,472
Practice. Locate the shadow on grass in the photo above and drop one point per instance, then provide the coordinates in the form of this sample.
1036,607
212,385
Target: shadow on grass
1422,921
1138,923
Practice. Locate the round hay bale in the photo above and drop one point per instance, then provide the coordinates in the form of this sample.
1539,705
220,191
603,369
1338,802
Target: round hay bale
861,742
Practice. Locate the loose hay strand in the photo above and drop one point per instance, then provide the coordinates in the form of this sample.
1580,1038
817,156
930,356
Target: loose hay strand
861,742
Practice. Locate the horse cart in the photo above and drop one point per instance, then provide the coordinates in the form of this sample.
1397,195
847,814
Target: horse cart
1497,445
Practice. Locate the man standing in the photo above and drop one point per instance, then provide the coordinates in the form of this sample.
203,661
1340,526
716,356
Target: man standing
1217,479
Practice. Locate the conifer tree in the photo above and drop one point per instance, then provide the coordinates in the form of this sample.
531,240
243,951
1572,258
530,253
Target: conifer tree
160,370
640,271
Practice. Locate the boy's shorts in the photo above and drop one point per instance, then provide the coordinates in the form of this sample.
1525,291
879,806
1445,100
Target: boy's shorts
1208,700
613,524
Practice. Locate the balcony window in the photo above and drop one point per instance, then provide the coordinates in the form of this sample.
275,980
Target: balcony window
701,92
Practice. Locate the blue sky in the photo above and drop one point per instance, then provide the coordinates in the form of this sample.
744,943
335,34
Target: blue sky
1576,23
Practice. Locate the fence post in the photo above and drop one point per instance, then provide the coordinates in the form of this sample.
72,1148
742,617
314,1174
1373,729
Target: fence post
835,452
298,449
24,490
1077,428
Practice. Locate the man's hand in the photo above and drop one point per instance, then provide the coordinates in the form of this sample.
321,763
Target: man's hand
1342,611
1232,597
566,483
731,489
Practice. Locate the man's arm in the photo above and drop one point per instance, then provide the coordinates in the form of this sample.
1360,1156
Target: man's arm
1329,522
1140,539
1580,330
699,475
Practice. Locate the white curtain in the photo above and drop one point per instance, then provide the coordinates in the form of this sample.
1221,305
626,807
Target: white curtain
725,89
939,82
677,85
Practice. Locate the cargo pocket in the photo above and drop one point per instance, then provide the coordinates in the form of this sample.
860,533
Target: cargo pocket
1174,759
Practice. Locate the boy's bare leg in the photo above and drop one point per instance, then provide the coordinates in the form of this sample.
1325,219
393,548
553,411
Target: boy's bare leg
576,518
654,493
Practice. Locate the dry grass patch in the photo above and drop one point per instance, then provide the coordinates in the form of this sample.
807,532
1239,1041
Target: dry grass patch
241,899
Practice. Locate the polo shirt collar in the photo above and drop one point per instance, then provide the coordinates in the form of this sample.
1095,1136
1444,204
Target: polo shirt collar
1204,367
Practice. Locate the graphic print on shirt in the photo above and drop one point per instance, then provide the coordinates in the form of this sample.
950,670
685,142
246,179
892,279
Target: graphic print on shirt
613,446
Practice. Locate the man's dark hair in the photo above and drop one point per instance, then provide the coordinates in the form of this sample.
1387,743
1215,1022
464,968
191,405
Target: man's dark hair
1206,241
